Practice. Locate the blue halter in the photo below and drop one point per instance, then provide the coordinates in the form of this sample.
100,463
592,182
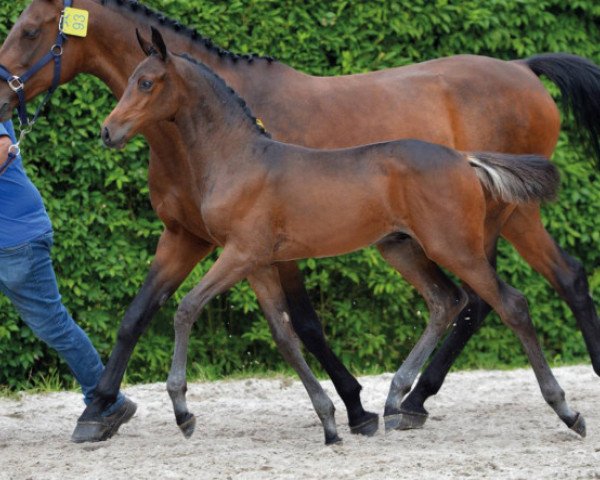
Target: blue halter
17,85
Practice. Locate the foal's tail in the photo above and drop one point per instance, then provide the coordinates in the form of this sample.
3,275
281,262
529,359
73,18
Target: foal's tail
579,82
516,178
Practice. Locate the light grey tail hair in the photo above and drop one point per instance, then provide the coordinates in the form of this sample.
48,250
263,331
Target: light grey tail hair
516,178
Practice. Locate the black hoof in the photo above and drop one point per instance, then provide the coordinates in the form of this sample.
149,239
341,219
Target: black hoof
367,425
391,422
332,440
102,428
187,424
90,431
411,420
579,426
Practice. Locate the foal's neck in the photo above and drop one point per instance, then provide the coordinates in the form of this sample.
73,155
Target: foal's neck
213,120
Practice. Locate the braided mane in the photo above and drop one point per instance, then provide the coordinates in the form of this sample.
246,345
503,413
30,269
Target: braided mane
163,20
227,89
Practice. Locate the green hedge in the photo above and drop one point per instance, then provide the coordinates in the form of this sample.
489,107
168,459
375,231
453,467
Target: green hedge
106,232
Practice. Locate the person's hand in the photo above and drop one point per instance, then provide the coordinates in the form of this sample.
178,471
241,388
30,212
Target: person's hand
5,143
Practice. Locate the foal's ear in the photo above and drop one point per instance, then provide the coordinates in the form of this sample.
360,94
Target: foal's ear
159,44
147,46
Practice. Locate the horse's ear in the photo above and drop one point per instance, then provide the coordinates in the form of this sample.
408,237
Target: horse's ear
159,44
147,47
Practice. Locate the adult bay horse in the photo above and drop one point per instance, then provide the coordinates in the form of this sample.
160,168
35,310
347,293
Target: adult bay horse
447,101
265,202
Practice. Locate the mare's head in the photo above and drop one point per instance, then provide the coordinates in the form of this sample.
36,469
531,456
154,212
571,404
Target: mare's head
33,36
153,94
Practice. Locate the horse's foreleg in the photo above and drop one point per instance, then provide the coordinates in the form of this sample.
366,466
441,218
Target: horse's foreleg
266,284
231,267
525,231
308,327
444,300
176,255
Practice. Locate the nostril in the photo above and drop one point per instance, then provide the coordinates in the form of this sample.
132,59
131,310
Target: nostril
105,135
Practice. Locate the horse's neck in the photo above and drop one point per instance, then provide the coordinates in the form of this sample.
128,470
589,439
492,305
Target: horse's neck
111,51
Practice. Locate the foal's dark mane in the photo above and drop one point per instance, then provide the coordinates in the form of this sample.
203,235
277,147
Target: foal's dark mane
222,86
165,21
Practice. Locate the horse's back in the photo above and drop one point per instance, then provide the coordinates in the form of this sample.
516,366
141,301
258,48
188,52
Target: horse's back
466,102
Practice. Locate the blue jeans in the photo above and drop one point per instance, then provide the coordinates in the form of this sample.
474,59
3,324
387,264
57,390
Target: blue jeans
28,280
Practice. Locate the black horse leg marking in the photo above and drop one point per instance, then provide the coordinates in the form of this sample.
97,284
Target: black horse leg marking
308,327
572,285
136,320
565,274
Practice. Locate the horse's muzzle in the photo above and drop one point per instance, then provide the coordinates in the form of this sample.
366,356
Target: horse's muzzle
114,140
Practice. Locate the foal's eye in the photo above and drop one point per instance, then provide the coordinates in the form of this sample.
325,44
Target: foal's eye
31,34
145,85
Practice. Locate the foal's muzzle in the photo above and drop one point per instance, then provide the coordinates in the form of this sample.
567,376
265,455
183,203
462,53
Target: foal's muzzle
114,138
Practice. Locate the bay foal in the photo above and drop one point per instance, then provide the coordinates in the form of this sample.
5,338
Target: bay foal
266,202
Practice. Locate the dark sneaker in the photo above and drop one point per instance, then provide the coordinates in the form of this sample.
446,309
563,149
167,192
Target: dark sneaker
105,427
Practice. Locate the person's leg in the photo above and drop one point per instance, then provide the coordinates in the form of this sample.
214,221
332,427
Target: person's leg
27,278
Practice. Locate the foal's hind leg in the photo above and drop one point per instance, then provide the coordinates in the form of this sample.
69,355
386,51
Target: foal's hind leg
444,300
526,233
464,327
267,287
511,305
310,331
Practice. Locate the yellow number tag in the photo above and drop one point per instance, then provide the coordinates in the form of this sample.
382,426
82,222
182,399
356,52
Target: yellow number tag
75,22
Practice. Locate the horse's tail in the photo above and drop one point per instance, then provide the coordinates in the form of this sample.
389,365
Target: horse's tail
516,178
579,82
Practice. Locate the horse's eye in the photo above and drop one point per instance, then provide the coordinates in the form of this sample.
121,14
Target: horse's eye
31,34
145,85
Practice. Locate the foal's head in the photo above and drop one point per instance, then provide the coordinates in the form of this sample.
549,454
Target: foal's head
153,94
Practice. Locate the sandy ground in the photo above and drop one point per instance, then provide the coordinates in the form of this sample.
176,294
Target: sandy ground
483,424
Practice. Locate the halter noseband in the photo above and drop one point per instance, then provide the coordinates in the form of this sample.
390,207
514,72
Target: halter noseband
17,85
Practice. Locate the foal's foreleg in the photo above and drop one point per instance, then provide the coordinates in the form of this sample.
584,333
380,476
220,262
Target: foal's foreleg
266,285
444,300
527,234
231,267
176,255
308,327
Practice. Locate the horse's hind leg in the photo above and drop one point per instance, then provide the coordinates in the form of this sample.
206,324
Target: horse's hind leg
308,327
525,231
266,285
464,327
444,300
511,305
